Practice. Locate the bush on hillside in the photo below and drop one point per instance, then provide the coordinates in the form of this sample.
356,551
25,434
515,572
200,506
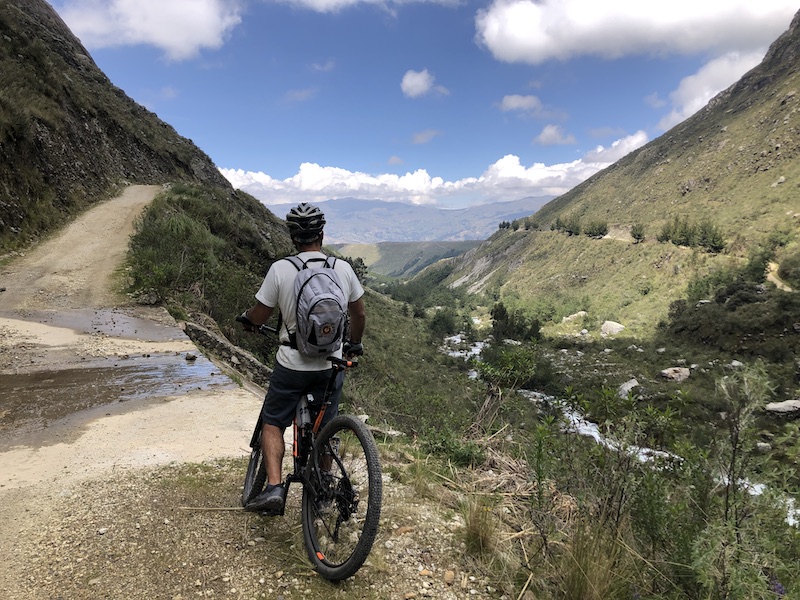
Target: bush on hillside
443,323
681,232
513,324
596,229
571,225
789,269
204,250
637,232
710,237
731,310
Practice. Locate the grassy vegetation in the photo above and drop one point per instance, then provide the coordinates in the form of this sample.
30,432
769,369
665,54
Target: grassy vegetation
717,186
204,251
404,259
544,509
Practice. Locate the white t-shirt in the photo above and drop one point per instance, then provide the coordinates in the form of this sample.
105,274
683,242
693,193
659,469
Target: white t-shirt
278,290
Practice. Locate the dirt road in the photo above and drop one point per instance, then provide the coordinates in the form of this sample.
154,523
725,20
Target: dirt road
74,269
89,383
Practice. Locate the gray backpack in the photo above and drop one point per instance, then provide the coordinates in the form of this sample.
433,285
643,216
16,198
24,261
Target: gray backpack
321,308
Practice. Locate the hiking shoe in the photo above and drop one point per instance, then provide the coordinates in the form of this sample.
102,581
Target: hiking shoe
270,500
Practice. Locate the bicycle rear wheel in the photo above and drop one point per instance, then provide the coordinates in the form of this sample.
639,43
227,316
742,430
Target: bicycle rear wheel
256,475
340,515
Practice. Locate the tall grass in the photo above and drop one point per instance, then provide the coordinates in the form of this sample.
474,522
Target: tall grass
597,522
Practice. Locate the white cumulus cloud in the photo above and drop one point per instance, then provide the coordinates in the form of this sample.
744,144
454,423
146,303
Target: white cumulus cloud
734,34
333,6
617,150
420,83
695,91
517,102
181,28
554,135
537,31
507,178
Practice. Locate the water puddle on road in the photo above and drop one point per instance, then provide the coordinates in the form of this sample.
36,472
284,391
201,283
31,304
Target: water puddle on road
32,402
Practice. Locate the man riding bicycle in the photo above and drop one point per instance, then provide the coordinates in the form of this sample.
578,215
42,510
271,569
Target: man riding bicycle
296,374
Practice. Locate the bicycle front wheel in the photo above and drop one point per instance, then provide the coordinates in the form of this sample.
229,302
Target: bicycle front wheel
340,514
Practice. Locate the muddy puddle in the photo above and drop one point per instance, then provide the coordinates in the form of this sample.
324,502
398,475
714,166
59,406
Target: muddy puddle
140,323
34,402
77,365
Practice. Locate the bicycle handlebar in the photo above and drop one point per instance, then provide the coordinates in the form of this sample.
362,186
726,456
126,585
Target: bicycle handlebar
263,329
346,363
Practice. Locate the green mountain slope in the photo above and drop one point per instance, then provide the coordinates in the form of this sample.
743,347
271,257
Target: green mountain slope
403,259
735,165
68,137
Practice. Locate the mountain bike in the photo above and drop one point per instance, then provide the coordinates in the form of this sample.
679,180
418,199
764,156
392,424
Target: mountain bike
339,469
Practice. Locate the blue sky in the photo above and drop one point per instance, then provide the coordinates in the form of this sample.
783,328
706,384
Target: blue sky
444,102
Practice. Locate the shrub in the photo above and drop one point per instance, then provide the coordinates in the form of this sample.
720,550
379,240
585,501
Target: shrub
443,323
596,229
789,269
452,446
572,226
508,366
514,324
710,237
684,233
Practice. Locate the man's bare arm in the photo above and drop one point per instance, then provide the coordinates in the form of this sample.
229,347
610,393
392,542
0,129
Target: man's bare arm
258,313
358,319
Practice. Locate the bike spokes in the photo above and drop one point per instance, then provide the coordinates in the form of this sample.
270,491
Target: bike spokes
341,522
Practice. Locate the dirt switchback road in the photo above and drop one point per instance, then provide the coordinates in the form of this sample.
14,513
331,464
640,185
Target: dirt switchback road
90,383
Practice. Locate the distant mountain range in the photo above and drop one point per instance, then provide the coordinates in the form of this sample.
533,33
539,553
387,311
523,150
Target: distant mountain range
351,220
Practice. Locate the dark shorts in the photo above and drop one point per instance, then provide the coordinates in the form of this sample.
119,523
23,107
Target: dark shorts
286,387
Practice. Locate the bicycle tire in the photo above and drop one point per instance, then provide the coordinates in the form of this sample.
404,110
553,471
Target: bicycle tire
339,539
256,475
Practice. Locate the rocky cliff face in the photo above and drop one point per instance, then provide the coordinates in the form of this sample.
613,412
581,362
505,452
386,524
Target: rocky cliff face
68,136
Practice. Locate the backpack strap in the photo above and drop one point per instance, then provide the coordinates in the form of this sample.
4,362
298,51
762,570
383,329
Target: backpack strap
296,261
298,264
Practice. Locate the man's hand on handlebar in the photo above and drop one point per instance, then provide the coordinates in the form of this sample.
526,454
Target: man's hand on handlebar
247,324
351,350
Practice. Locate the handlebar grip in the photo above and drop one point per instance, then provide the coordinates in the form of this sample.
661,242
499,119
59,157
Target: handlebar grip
342,362
242,318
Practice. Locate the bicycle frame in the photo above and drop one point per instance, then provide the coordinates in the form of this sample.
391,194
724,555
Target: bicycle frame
304,435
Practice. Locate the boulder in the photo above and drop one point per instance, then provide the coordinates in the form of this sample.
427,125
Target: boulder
787,408
676,374
578,315
627,387
611,328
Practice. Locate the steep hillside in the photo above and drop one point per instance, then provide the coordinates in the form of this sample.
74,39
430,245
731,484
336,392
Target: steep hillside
737,161
403,259
735,166
68,136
